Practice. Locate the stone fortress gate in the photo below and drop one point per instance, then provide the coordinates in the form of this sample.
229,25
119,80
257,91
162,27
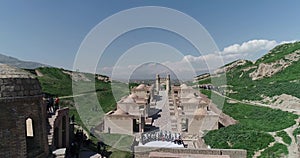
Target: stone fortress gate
165,81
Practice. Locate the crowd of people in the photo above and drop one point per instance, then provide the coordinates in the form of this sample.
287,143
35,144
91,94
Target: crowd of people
161,136
52,104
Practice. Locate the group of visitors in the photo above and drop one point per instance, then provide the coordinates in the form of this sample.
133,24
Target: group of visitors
161,136
52,104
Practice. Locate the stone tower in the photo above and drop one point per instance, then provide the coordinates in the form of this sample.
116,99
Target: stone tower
23,116
157,83
168,83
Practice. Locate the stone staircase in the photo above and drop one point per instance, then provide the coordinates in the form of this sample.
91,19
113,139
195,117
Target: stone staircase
51,121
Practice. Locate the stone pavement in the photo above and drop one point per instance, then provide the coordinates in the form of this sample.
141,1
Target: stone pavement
163,122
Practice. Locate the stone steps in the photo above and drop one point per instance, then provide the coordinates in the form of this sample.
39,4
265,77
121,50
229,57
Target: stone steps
51,129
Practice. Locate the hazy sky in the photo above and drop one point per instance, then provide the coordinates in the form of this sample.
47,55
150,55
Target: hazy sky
51,32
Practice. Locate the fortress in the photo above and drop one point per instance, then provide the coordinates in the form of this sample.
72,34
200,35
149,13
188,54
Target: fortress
156,114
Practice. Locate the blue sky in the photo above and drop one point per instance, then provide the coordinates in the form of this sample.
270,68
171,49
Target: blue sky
51,31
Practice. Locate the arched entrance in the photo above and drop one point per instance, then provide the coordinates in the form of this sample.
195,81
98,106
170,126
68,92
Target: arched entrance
165,81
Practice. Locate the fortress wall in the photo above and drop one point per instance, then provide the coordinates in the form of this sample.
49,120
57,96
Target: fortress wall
143,152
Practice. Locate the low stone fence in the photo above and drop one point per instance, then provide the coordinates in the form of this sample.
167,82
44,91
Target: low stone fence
143,152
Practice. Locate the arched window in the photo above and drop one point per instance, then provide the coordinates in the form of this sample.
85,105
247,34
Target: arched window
29,127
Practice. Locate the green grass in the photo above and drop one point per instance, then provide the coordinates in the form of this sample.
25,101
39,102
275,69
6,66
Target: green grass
251,131
260,118
277,151
252,90
296,132
256,121
118,141
206,92
278,84
55,82
285,137
121,154
279,52
91,107
238,137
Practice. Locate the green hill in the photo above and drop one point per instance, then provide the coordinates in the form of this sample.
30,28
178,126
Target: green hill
252,89
75,86
76,92
283,80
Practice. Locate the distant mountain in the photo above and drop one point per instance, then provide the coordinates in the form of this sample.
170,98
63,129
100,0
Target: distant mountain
19,63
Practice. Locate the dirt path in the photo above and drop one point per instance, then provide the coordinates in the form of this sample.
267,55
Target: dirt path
72,96
293,148
258,153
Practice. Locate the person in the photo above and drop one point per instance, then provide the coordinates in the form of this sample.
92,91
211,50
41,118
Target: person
48,105
73,118
56,104
51,109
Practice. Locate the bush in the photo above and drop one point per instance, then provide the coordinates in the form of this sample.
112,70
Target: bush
238,137
276,151
285,137
260,118
296,132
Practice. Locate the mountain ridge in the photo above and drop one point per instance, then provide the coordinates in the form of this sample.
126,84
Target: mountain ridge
8,60
270,78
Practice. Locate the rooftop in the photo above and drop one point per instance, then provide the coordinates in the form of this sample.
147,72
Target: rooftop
12,72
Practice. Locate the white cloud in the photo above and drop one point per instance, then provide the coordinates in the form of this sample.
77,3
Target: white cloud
249,50
250,47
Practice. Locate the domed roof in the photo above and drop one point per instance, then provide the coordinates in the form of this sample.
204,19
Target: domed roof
17,83
193,100
120,112
141,86
183,86
133,96
12,72
200,112
129,100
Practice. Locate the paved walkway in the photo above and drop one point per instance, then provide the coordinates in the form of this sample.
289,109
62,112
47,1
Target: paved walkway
163,122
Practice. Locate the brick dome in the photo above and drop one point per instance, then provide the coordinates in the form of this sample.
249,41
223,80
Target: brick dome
22,106
17,83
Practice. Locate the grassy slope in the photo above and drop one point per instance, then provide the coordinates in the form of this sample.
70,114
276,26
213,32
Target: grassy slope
278,150
88,113
278,84
279,52
254,122
251,131
55,82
